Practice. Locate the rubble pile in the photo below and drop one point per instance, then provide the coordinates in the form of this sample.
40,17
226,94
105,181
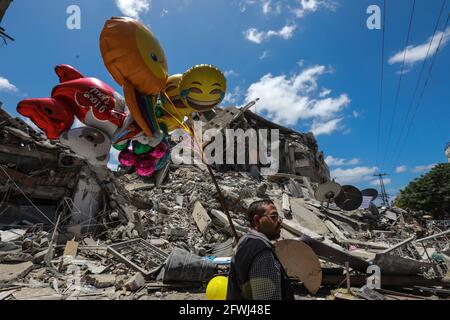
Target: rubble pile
165,238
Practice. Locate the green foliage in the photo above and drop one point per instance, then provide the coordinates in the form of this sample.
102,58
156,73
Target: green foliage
430,192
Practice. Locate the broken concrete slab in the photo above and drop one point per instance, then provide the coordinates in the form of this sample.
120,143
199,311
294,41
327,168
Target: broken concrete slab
11,272
71,249
12,235
9,257
36,294
298,230
285,204
201,217
303,221
101,280
6,294
306,217
335,255
135,282
397,265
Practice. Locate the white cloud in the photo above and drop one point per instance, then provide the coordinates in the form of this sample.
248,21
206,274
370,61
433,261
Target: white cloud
164,12
286,100
423,168
244,3
230,73
256,36
401,169
278,8
354,175
324,93
310,6
355,114
233,97
332,161
133,8
419,53
376,182
286,32
319,128
7,86
264,55
266,7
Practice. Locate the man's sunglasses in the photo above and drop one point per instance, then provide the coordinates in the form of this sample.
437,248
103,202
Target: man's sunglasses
275,217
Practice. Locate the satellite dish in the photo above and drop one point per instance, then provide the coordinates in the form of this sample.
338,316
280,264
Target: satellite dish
326,192
370,193
300,262
349,199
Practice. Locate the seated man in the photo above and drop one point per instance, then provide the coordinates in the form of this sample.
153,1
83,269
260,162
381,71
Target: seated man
256,273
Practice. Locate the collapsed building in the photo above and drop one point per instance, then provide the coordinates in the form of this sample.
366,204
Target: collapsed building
129,237
39,178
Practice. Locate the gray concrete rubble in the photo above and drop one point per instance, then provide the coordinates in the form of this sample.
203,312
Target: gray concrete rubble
71,231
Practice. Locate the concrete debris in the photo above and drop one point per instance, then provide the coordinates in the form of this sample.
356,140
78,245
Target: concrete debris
136,282
120,236
101,280
201,217
10,272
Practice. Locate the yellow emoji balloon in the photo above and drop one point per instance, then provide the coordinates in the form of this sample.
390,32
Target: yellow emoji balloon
172,105
132,53
172,90
202,88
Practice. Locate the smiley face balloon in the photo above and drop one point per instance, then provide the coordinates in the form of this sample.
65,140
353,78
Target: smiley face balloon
131,52
202,88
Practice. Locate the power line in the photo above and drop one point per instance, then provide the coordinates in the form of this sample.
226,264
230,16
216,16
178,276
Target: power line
423,91
397,144
399,81
380,107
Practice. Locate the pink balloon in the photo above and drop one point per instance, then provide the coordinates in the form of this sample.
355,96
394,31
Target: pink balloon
146,166
127,158
159,151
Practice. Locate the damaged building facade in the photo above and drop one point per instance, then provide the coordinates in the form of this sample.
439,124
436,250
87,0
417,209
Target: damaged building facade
298,153
39,179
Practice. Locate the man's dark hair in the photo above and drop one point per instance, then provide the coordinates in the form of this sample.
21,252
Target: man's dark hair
257,208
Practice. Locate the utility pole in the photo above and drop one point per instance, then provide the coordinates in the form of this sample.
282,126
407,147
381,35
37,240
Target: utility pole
384,195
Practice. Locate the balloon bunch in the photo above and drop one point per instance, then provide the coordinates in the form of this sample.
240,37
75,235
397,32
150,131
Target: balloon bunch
137,125
91,101
158,103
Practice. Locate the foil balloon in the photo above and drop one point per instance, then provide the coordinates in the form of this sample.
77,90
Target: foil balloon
174,110
202,88
93,144
136,61
92,101
146,163
51,116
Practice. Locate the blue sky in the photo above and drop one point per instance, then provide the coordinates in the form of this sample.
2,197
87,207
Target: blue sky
314,64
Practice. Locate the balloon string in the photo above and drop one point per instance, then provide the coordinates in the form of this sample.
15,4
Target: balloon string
188,129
